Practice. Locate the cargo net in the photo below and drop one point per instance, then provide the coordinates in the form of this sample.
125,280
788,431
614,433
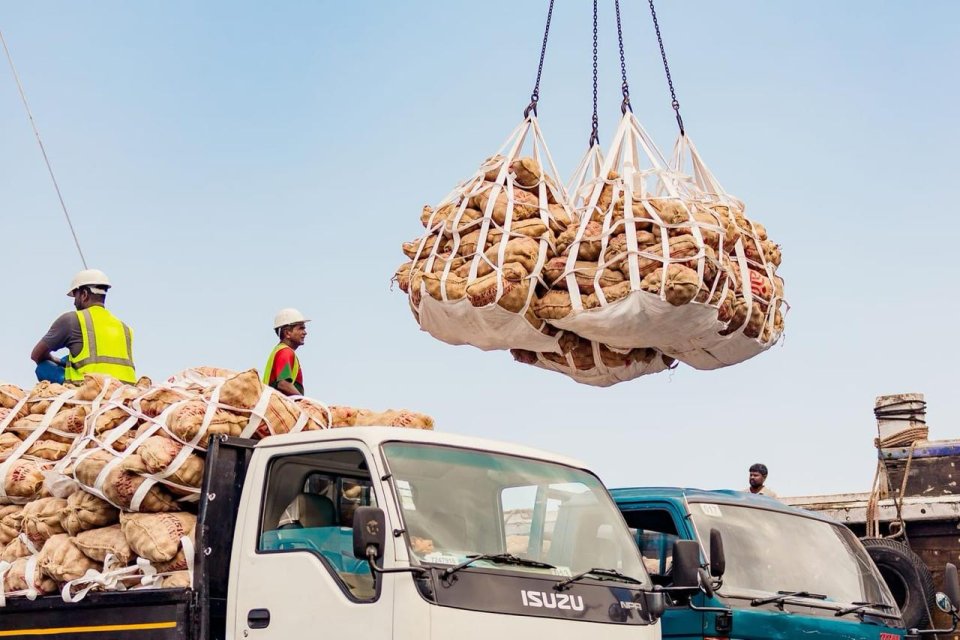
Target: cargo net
99,483
659,260
473,276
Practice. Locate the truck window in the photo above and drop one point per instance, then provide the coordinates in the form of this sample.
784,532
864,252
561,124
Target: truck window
309,502
655,533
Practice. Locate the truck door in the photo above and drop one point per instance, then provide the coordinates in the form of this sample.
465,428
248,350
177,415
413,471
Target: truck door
656,527
296,573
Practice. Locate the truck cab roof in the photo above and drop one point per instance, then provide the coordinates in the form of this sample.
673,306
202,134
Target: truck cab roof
373,437
717,496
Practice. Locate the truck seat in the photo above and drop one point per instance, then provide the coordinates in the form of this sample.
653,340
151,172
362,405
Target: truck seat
309,510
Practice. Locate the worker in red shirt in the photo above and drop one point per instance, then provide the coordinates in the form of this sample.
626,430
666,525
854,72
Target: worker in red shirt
283,368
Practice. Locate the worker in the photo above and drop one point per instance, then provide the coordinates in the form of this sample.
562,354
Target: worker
758,480
283,368
98,342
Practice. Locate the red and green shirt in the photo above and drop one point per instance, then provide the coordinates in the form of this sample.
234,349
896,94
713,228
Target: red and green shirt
283,365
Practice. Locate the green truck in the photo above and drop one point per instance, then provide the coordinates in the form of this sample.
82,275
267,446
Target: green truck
768,570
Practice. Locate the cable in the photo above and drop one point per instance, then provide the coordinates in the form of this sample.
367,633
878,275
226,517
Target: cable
666,68
535,96
595,131
36,132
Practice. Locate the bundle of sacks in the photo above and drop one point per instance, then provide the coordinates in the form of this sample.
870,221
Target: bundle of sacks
473,276
647,265
99,483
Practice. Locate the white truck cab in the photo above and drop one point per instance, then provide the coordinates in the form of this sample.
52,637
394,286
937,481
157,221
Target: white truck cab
479,539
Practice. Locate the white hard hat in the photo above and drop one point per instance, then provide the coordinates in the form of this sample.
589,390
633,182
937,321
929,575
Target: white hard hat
288,316
94,279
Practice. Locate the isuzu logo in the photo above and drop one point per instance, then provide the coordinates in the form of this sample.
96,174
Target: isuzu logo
543,600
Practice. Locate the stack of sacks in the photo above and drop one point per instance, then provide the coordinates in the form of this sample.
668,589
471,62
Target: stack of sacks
473,276
596,364
653,263
102,479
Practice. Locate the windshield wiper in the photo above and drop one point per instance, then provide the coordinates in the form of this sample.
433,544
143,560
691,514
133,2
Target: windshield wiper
497,558
858,608
782,596
599,574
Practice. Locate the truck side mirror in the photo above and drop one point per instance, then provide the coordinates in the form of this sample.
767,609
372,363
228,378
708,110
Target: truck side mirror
656,604
686,564
369,533
718,562
951,590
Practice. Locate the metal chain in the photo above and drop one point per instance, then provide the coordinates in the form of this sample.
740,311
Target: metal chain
535,96
623,64
666,68
595,133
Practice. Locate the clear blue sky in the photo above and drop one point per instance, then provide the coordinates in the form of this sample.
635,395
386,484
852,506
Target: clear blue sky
225,159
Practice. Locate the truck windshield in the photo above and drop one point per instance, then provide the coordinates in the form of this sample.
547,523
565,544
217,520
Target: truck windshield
770,551
459,503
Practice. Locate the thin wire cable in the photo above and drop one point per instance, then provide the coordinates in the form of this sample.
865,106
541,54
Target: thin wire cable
625,106
595,132
535,96
36,132
666,68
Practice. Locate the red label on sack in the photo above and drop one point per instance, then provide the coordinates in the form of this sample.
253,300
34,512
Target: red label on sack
760,287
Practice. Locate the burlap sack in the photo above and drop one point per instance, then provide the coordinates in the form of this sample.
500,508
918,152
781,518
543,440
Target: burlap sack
18,548
16,579
10,395
11,520
412,249
156,455
242,390
679,247
110,419
320,415
434,282
525,204
121,485
590,245
24,479
179,562
555,273
156,536
97,543
68,424
93,385
41,519
394,418
186,421
49,450
153,403
553,305
343,416
43,395
514,289
62,561
177,580
681,287
8,441
280,417
85,511
523,251
27,424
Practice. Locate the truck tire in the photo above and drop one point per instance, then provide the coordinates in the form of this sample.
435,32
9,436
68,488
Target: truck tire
907,577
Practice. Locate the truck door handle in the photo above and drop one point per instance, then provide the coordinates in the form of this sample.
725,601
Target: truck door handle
258,618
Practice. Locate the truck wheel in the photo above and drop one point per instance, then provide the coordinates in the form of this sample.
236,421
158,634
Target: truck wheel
907,577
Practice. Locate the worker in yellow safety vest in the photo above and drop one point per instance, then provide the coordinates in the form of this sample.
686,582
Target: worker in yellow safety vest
98,342
283,367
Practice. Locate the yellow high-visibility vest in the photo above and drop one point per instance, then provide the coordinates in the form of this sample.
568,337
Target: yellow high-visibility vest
273,356
107,347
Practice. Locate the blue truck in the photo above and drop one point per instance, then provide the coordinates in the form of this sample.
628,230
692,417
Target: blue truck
776,572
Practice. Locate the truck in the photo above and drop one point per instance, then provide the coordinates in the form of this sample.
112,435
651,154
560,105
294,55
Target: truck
782,572
910,517
374,532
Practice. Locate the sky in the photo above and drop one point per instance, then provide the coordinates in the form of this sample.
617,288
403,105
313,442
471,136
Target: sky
222,160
